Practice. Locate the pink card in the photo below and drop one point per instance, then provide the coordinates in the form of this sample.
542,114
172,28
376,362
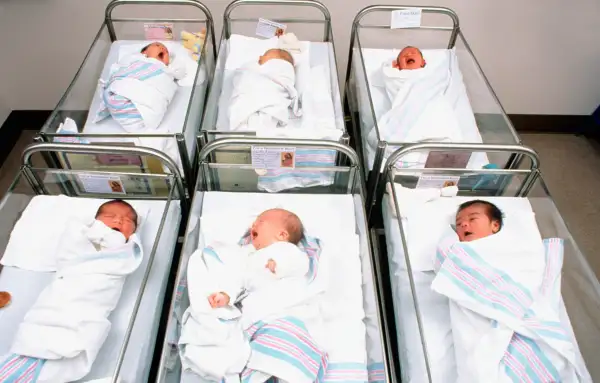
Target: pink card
158,31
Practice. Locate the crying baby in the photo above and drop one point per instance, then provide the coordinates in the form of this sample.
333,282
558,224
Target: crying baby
119,216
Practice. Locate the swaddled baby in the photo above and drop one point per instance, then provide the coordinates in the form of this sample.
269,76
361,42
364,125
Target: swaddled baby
263,93
68,323
275,235
271,270
140,88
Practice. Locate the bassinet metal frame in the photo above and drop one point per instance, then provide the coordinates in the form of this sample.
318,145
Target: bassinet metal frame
206,136
531,176
455,34
47,133
29,172
355,186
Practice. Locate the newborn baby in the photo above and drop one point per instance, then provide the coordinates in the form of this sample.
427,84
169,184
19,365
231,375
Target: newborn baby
477,219
275,54
119,216
275,235
264,93
140,88
157,51
409,58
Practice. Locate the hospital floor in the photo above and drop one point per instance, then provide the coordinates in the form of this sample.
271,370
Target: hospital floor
570,166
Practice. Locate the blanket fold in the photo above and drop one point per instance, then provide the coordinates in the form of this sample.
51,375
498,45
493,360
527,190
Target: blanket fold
422,108
212,343
68,323
285,350
504,313
262,96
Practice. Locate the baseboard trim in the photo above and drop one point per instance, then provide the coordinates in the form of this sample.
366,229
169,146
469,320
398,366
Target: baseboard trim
17,122
550,123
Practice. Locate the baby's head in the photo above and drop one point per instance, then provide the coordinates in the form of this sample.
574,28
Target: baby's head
276,225
119,216
276,54
477,219
157,51
409,58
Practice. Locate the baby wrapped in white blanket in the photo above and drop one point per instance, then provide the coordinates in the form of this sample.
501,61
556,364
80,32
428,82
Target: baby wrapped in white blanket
422,100
140,89
247,307
263,94
65,328
505,302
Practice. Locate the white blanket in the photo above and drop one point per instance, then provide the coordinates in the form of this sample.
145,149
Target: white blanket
68,323
504,310
138,93
422,107
263,95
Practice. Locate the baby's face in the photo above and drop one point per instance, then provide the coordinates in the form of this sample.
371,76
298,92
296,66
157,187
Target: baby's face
474,223
158,51
267,229
409,58
118,217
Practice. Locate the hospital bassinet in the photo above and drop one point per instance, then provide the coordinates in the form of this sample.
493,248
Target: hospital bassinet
324,211
316,69
477,110
128,26
38,206
425,345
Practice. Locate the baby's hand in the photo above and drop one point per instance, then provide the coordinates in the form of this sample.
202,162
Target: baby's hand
217,300
271,264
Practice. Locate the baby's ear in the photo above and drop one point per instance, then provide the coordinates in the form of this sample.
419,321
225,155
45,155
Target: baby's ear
395,64
283,235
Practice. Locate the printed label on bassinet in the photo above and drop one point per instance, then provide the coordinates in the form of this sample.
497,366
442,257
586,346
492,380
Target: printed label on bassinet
158,31
101,184
437,182
273,158
267,28
406,18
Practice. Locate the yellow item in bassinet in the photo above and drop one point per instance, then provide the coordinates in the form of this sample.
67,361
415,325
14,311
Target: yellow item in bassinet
194,42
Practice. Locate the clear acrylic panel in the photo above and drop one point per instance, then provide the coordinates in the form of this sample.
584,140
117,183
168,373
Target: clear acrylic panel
230,168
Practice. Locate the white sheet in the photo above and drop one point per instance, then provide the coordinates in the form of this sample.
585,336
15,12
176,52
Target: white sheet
174,118
373,59
313,78
25,286
330,218
434,308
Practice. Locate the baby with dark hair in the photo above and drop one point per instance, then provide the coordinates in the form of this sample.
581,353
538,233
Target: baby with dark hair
119,216
477,219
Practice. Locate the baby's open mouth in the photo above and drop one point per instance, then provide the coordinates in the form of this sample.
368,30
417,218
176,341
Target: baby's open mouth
410,61
467,233
116,229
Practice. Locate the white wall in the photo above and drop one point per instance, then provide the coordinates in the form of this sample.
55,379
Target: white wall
541,56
